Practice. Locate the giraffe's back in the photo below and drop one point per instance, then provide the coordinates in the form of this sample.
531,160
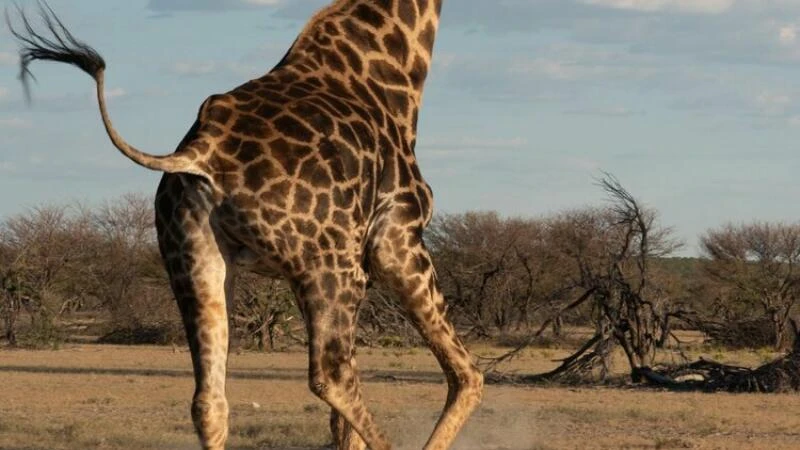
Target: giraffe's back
302,166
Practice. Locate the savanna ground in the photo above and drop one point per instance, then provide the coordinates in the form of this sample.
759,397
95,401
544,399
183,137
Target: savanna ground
86,396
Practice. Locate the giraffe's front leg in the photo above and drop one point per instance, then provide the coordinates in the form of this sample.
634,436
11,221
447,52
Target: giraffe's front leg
344,436
405,266
330,301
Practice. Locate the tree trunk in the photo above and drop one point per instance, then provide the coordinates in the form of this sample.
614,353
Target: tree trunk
663,338
780,328
10,319
558,325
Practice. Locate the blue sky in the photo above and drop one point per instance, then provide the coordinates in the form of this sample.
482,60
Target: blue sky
693,104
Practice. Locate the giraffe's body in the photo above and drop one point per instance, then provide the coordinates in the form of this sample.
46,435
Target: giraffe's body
308,173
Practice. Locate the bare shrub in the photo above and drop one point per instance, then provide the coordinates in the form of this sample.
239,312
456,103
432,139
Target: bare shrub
264,312
755,266
496,273
382,322
39,248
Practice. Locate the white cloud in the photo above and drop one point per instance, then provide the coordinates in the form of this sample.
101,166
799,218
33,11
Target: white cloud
615,111
474,146
15,122
8,59
204,68
582,163
787,35
557,70
477,142
115,93
7,167
732,58
444,60
3,93
584,68
209,5
793,121
683,6
771,103
263,2
186,68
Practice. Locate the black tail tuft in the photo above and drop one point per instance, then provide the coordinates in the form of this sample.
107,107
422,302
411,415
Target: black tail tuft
61,46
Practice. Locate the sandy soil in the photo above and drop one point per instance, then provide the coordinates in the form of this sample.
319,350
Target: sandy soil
109,397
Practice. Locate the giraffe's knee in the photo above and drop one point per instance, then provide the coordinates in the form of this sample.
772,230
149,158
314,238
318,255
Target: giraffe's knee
474,383
318,385
332,373
331,383
469,385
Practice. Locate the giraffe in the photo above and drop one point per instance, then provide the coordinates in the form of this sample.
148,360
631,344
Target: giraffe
306,173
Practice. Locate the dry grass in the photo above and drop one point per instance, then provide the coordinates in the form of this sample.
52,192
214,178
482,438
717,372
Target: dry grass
110,397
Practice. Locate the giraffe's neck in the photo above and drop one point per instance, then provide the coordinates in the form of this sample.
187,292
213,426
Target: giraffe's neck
384,46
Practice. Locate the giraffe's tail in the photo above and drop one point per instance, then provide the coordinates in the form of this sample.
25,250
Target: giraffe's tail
61,46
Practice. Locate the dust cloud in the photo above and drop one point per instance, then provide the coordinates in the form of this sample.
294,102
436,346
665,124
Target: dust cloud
492,427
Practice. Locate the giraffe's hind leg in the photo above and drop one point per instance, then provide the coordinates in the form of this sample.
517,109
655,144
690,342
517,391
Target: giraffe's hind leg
400,260
202,284
330,302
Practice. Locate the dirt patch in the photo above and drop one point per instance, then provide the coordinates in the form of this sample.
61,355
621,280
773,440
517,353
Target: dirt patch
116,397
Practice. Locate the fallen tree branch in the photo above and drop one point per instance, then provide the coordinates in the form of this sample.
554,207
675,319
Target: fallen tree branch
780,375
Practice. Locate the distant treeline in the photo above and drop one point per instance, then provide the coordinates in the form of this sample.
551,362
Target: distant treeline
501,276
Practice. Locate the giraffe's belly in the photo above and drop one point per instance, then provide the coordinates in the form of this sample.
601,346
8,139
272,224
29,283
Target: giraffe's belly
246,259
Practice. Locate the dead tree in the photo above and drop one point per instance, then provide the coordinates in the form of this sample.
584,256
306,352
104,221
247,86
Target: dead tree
610,251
